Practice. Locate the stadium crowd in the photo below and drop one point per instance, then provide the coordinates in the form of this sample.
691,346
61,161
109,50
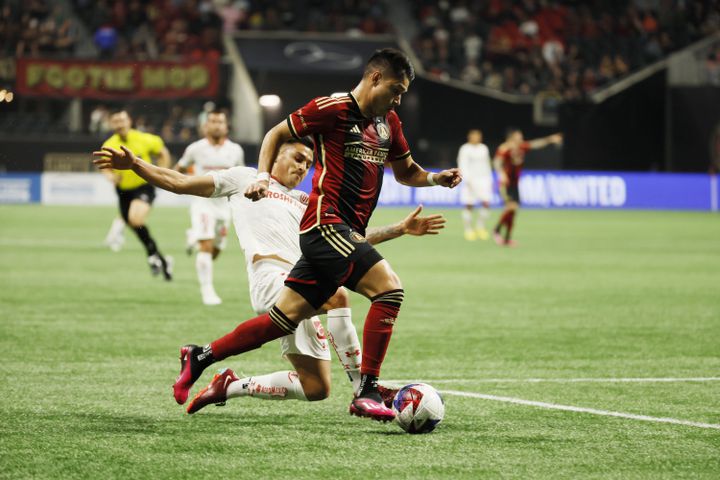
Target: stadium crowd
34,28
567,47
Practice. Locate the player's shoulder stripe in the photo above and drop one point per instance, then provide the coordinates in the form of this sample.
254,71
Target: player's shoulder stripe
325,102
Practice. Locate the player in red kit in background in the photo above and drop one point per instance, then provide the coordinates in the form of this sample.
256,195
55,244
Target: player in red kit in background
355,136
508,162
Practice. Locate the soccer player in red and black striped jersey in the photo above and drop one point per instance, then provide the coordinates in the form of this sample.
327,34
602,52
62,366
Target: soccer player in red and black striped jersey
355,136
508,162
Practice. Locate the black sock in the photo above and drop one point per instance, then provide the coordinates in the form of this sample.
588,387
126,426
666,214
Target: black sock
144,235
369,387
203,359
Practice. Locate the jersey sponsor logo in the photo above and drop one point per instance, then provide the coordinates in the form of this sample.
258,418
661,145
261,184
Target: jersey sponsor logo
365,153
357,238
284,197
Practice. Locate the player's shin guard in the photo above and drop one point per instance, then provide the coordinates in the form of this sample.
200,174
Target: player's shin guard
378,330
345,341
253,333
274,386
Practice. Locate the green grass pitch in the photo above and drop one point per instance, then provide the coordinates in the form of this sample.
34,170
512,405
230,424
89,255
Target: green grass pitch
89,346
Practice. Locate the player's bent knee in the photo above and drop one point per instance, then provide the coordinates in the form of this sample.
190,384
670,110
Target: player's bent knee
317,392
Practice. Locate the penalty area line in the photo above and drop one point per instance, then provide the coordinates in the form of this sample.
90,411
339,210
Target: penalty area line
570,408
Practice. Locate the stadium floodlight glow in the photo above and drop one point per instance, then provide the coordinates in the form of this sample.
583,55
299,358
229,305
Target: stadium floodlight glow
269,101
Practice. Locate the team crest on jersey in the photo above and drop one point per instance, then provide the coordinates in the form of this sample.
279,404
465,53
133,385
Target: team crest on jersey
357,238
382,130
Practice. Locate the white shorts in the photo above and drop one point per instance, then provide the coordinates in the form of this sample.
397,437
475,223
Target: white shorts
268,278
209,223
476,190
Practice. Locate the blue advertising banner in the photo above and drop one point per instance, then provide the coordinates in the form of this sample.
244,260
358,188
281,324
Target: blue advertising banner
564,189
19,188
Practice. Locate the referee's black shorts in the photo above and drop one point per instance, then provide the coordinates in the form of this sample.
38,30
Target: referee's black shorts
146,193
333,255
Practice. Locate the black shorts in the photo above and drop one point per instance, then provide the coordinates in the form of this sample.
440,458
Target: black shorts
146,193
510,193
332,256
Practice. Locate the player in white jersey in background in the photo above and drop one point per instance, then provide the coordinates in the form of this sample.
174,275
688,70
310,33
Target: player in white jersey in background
476,168
210,217
268,231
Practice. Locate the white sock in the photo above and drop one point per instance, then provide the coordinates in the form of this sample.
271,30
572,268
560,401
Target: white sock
467,219
116,232
483,216
274,386
345,341
204,267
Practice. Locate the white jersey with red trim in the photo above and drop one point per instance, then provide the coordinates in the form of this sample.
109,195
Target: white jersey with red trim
269,226
205,157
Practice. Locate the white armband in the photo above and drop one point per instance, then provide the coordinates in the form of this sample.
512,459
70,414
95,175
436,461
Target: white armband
262,177
431,181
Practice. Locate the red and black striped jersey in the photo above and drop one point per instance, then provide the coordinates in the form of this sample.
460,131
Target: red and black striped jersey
350,154
513,160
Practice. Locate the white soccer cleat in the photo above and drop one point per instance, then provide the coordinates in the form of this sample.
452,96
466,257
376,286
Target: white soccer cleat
209,297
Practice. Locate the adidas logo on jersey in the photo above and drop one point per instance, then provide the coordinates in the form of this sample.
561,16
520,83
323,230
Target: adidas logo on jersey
355,129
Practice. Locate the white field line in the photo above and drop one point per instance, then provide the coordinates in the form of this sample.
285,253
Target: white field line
592,411
559,380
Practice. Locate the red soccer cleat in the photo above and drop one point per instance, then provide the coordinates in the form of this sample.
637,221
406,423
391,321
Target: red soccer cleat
369,408
214,393
189,373
388,395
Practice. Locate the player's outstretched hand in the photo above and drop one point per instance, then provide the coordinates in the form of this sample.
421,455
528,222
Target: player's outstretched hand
116,159
449,178
414,224
556,138
257,190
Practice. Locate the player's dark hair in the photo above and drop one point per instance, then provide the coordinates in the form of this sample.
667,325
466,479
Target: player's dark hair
116,110
394,60
218,111
510,130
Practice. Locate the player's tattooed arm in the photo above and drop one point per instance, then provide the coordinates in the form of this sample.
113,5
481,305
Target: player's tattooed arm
413,224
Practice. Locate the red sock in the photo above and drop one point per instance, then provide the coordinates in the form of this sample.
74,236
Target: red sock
249,335
509,224
378,330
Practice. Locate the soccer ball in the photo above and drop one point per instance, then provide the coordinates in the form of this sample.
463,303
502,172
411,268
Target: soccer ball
418,408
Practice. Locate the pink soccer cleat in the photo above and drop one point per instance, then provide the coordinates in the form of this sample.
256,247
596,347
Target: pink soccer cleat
499,240
214,393
189,373
369,408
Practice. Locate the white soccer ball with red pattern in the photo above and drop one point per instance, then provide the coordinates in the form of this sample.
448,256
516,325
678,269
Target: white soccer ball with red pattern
418,408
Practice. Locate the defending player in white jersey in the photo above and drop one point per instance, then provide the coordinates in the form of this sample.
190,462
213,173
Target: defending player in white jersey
268,234
474,163
210,217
